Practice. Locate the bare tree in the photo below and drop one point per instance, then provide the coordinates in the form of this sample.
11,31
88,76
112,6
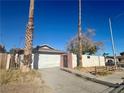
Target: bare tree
2,49
88,45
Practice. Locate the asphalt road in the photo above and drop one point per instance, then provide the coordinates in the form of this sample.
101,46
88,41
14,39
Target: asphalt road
64,82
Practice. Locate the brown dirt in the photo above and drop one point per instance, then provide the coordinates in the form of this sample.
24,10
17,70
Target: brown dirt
96,70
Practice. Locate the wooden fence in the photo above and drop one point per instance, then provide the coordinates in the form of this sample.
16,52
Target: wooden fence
3,60
10,61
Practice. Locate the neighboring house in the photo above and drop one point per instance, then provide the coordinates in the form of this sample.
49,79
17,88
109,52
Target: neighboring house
122,53
109,58
121,58
46,56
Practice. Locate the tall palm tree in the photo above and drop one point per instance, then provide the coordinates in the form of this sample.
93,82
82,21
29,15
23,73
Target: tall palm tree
28,39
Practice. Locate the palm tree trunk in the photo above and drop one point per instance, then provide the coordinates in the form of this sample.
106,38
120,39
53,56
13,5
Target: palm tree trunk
28,40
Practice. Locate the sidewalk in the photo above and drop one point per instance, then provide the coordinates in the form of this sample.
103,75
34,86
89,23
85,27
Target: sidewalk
110,80
113,78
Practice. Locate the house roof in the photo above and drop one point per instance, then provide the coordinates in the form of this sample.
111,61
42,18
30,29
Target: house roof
122,53
17,50
47,49
120,57
109,57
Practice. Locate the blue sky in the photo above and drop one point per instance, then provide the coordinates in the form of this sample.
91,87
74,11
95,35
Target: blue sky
55,22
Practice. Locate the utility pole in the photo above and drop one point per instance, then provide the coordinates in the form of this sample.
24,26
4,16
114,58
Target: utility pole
113,45
29,39
79,36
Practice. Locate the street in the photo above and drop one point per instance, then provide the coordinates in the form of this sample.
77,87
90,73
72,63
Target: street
64,82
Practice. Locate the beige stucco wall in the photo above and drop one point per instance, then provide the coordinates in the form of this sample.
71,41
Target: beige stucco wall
74,60
93,61
89,62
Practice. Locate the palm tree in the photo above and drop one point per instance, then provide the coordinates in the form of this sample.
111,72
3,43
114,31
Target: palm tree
28,40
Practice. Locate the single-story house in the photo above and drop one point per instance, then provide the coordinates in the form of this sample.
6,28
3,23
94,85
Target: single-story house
121,58
109,58
46,56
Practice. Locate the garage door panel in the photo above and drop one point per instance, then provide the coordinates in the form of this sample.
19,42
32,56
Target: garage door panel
46,61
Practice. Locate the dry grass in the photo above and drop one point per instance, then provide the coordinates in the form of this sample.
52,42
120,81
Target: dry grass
14,81
16,76
101,71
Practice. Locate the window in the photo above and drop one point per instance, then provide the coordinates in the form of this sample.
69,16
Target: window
88,57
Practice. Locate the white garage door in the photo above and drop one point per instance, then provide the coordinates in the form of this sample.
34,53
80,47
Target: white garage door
48,60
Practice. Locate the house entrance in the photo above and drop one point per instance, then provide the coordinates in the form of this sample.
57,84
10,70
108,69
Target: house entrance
65,61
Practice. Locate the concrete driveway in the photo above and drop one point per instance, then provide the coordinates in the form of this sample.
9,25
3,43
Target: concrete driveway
64,82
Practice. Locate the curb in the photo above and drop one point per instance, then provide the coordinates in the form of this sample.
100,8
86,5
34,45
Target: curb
118,90
79,74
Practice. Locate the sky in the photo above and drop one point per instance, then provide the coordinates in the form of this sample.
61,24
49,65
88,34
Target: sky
56,22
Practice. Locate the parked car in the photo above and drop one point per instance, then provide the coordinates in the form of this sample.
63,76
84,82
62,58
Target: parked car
110,63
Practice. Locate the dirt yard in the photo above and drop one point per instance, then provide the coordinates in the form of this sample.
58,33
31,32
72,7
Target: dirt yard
16,82
105,73
102,71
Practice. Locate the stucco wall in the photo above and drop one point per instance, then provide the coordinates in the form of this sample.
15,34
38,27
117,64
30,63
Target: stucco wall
89,61
74,60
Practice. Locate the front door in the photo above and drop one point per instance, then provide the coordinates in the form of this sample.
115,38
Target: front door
65,61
